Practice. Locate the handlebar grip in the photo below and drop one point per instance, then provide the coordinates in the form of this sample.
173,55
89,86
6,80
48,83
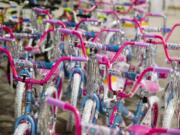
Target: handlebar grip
83,16
54,22
173,46
127,4
27,35
91,20
41,11
149,36
65,31
27,20
162,69
55,102
130,75
156,14
6,39
89,34
173,131
44,65
112,48
141,44
166,30
127,20
81,59
70,24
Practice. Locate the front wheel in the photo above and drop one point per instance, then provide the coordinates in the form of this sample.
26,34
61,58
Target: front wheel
19,99
22,129
87,111
169,117
75,86
47,114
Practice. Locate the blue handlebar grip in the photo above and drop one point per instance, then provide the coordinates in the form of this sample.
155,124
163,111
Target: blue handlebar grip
70,24
166,30
90,34
27,20
44,65
112,48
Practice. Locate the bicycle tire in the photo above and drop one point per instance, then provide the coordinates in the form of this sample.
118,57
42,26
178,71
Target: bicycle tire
76,81
19,102
21,129
86,115
47,114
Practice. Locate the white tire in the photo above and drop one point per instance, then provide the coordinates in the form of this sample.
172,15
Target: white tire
87,111
168,115
74,96
47,117
19,99
21,129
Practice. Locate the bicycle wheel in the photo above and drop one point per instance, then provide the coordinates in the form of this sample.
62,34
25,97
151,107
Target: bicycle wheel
75,86
151,113
47,114
22,129
170,117
19,101
87,111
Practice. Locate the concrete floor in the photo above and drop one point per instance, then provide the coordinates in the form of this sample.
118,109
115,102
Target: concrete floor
7,93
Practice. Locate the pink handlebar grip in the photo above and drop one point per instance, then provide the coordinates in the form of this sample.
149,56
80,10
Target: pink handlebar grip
58,103
6,39
162,69
41,11
55,22
173,131
82,59
156,15
65,31
141,44
149,36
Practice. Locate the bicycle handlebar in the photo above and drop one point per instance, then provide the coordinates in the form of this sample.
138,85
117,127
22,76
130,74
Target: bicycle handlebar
27,35
55,22
106,30
42,11
78,35
165,46
8,30
66,106
50,73
85,20
138,81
